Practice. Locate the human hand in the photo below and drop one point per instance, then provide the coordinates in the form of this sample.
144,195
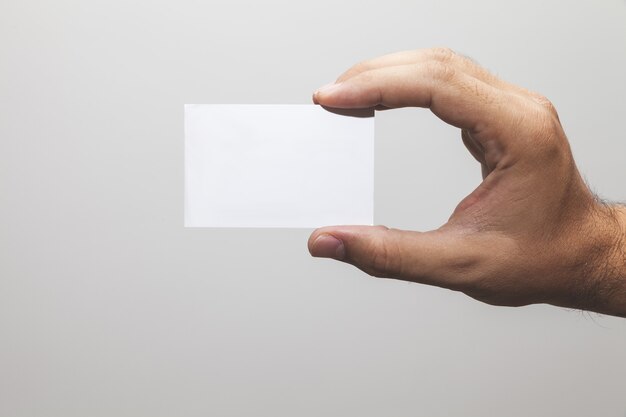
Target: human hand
531,232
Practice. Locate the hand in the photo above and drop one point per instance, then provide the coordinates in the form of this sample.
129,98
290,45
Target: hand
531,232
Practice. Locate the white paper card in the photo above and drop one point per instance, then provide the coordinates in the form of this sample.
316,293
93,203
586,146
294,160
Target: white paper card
268,165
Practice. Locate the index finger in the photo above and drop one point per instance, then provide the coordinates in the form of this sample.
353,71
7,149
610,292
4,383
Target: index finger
454,96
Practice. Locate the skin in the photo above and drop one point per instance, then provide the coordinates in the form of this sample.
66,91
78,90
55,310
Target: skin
531,232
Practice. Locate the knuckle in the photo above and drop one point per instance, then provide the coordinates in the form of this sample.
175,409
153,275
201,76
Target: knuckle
546,104
380,261
384,260
440,71
541,135
548,128
443,54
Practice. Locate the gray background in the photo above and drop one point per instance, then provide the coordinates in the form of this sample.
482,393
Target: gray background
109,307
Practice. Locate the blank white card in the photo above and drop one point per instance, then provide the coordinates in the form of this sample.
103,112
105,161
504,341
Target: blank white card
267,165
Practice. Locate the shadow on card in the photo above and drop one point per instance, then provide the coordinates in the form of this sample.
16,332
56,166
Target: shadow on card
351,112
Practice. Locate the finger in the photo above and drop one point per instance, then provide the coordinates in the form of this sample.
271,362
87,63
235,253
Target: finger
455,97
389,60
443,55
436,258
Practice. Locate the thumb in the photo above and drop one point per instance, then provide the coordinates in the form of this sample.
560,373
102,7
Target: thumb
440,258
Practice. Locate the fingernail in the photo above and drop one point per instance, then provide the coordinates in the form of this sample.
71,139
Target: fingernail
327,246
327,89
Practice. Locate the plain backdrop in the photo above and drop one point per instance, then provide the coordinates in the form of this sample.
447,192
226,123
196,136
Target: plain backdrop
109,307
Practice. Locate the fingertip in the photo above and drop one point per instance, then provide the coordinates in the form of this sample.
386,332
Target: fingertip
322,94
331,241
312,238
325,245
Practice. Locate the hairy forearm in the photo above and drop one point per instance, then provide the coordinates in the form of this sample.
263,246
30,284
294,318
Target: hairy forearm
606,277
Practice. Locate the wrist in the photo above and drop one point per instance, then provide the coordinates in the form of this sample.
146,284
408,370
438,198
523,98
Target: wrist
604,272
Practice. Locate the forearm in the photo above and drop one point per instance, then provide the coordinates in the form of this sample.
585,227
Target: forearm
606,276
